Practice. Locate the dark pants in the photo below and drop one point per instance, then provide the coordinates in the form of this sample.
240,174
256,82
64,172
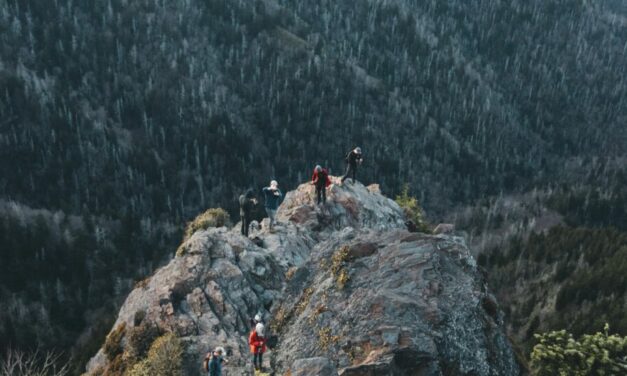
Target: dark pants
245,224
350,170
258,357
321,193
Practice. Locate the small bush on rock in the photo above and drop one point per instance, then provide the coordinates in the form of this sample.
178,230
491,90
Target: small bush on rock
140,339
165,358
411,208
214,217
113,343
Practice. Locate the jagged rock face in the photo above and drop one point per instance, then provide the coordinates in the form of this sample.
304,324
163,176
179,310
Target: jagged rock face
345,287
411,305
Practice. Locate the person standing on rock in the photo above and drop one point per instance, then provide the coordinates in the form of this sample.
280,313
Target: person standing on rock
353,159
321,181
247,203
213,362
273,197
257,343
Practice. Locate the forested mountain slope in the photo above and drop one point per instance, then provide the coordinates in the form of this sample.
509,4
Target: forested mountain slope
144,113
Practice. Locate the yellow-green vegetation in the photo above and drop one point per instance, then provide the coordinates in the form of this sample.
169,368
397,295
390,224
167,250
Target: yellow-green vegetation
558,353
113,344
304,300
278,321
326,339
282,315
165,358
320,308
338,267
412,209
141,338
214,217
290,273
143,283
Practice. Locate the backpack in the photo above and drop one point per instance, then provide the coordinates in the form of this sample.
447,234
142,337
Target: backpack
322,176
205,363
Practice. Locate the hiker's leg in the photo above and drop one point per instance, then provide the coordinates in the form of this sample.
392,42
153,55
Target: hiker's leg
348,170
243,225
354,168
260,360
324,194
246,225
269,214
272,215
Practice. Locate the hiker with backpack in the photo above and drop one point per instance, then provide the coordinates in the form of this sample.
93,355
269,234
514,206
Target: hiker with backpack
257,343
213,362
353,159
321,181
247,203
273,197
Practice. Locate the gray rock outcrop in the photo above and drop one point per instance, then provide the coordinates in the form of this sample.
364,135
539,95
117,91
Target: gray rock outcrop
346,289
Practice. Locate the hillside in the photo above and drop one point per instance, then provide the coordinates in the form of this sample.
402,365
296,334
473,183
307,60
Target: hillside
343,286
555,257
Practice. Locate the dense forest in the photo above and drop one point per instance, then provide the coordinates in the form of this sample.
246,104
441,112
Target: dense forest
557,258
120,120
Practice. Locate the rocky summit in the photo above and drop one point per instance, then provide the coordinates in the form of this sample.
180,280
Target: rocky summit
344,289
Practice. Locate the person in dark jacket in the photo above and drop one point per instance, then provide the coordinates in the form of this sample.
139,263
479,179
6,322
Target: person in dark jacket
321,181
273,196
214,361
247,203
353,159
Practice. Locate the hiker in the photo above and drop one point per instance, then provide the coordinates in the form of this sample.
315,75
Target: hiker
213,362
246,204
273,197
353,159
257,343
321,181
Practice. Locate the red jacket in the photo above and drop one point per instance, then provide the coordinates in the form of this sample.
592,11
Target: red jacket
314,177
257,343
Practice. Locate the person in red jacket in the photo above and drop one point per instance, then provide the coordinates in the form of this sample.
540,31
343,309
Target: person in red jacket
321,181
257,343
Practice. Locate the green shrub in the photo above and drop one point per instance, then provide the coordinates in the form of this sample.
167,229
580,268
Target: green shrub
165,358
558,353
141,338
412,209
214,217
